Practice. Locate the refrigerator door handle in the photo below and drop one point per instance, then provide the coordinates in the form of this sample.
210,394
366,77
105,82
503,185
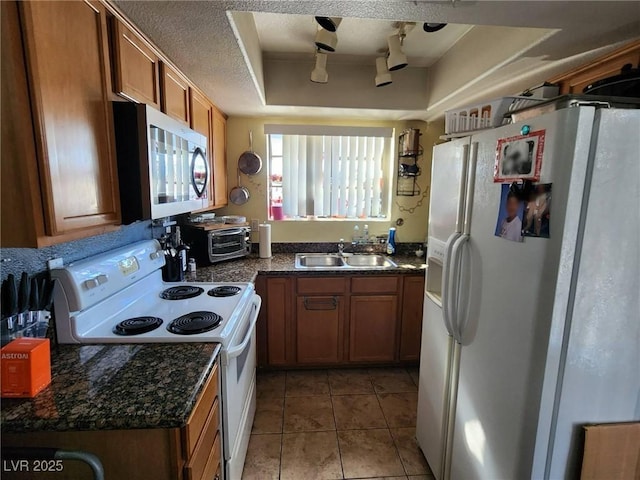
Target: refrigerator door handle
461,315
470,187
454,288
446,266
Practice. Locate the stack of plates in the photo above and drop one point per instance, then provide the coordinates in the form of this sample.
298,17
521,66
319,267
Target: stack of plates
234,219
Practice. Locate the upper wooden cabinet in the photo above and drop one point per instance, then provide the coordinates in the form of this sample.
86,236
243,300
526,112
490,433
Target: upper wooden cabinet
136,66
208,120
200,107
219,149
610,65
174,89
71,191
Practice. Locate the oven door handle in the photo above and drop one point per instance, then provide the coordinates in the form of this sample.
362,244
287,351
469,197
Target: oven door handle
238,349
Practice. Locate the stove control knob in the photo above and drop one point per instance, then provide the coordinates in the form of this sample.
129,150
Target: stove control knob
102,279
91,283
154,255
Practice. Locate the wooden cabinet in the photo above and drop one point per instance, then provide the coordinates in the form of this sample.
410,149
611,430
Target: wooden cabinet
279,311
319,329
174,93
200,112
192,452
219,155
610,65
339,319
411,326
136,66
70,189
372,328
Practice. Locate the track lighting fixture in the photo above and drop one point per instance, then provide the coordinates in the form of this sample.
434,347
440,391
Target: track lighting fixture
433,27
383,77
397,59
329,23
326,40
319,74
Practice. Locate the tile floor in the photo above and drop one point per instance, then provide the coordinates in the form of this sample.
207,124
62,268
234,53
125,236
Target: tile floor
336,424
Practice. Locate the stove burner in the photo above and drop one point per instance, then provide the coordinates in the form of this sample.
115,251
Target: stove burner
224,291
137,326
181,292
194,322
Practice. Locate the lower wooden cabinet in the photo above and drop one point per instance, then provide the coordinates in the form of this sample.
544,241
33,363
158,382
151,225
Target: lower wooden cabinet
193,452
372,328
339,320
279,314
411,326
319,329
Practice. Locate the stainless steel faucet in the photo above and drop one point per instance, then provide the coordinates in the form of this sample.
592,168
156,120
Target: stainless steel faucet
341,247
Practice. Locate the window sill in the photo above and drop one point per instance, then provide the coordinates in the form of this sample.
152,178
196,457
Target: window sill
326,220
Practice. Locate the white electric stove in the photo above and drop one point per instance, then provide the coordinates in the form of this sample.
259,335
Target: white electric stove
119,297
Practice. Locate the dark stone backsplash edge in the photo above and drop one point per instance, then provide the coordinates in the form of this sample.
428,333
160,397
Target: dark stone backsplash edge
331,247
34,260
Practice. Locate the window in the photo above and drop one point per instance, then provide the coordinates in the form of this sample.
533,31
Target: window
328,172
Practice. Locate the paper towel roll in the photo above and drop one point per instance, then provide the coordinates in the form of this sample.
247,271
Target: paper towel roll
265,240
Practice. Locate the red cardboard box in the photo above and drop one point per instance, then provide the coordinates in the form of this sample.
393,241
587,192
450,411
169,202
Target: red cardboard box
26,367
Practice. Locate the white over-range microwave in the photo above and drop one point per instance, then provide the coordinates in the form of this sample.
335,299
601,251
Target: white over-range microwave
162,164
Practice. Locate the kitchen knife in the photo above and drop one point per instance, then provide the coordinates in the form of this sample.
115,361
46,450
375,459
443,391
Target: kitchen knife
48,294
42,289
24,293
34,298
34,301
12,294
4,306
23,299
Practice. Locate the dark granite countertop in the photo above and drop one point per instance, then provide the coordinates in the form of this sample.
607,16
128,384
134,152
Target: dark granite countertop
247,269
98,387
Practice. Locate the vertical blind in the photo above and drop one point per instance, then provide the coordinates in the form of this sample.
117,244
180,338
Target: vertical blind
335,176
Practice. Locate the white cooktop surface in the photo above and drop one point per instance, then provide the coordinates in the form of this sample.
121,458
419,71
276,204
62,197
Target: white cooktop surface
96,324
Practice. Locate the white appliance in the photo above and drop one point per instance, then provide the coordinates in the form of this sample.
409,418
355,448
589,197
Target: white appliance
162,164
119,297
525,342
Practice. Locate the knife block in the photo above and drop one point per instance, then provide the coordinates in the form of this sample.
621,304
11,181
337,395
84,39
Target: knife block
172,270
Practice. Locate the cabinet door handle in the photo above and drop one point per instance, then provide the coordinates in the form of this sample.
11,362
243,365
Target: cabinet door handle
320,304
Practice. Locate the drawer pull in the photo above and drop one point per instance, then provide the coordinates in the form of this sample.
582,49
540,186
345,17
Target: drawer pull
320,304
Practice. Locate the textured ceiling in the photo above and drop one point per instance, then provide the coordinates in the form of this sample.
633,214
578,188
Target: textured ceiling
199,38
359,38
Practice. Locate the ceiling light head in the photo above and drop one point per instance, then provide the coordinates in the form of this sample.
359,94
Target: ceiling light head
319,74
433,27
397,59
383,77
329,23
326,40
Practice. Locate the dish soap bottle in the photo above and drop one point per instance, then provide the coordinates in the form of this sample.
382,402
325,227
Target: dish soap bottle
391,242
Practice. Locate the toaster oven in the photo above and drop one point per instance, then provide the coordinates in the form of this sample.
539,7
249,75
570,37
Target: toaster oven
214,246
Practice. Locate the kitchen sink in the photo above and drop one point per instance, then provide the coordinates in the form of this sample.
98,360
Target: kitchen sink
318,260
379,261
332,261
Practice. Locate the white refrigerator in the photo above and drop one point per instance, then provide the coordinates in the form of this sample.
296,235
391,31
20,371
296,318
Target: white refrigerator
523,342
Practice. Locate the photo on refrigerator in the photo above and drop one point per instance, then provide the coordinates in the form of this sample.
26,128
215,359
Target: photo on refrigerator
537,212
510,215
519,157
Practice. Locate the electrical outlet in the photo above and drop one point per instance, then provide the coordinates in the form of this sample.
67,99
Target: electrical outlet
254,224
55,263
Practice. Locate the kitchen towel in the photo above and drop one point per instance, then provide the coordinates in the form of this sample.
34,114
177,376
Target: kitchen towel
265,240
